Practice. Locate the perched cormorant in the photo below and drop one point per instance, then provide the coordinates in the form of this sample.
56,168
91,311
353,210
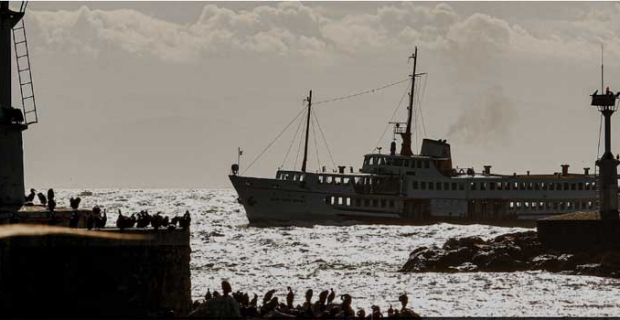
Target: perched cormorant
29,198
331,296
185,221
75,203
290,296
51,204
254,300
42,198
268,296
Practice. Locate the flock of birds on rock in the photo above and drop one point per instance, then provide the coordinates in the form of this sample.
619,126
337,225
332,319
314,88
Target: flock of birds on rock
143,219
95,219
270,308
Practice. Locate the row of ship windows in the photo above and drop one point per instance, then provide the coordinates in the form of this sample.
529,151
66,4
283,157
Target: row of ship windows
555,205
423,185
347,201
389,161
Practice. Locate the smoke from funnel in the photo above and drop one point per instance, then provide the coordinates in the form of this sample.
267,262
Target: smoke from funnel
489,121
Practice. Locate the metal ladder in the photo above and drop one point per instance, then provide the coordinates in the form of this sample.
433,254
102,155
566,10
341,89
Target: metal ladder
26,88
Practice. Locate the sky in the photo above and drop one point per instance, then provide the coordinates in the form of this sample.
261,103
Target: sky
161,95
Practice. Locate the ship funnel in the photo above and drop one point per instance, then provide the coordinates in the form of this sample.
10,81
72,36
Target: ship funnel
565,169
586,171
487,169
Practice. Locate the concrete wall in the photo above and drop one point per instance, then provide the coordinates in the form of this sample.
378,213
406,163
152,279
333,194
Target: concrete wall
70,276
11,165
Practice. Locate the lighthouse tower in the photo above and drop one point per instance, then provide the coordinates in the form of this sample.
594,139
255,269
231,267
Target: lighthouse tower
13,121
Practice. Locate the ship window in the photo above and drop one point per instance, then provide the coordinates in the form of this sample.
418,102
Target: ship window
438,185
512,205
295,177
461,186
391,203
573,186
423,185
358,202
348,201
415,185
248,184
533,205
580,185
337,180
406,163
333,200
375,203
516,186
568,205
453,186
566,187
589,204
472,186
537,186
587,185
530,186
345,180
594,186
518,205
383,203
583,205
340,200
302,177
551,186
328,179
367,160
541,205
327,200
561,205
483,186
446,185
366,203
507,186
426,164
321,179
495,185
431,186
543,186
527,206
522,186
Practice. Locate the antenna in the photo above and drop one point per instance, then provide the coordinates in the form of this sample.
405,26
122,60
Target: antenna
602,70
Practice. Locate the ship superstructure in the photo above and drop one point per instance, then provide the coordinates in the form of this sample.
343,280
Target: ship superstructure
412,188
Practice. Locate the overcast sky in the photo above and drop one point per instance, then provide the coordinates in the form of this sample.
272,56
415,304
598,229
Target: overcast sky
159,95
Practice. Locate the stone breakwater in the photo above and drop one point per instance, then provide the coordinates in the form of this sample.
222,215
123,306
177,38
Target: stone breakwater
509,253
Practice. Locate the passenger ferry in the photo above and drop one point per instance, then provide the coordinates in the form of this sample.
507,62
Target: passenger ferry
412,188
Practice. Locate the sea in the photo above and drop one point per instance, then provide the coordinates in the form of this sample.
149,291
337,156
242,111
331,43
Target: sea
361,260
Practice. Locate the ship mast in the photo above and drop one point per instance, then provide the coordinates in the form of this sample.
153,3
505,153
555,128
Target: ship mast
309,100
406,136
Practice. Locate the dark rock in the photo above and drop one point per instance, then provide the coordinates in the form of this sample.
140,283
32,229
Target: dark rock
547,262
469,242
504,263
466,267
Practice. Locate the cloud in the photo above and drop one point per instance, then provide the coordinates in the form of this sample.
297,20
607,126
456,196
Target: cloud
294,29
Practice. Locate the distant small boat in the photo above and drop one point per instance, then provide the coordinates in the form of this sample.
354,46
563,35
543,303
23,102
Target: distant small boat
86,193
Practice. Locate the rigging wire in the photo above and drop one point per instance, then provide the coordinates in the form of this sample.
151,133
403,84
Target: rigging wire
391,118
316,146
324,140
274,140
359,93
301,139
291,145
419,104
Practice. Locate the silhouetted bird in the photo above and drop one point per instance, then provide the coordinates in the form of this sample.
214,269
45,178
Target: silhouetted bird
50,195
42,198
208,295
290,297
185,221
51,204
101,221
331,296
74,221
124,222
75,203
144,219
254,300
29,198
268,296
156,221
165,222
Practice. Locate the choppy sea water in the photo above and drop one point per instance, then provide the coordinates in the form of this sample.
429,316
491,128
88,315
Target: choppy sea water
361,260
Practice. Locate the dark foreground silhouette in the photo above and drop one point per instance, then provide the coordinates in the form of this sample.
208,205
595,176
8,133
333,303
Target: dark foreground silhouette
239,305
